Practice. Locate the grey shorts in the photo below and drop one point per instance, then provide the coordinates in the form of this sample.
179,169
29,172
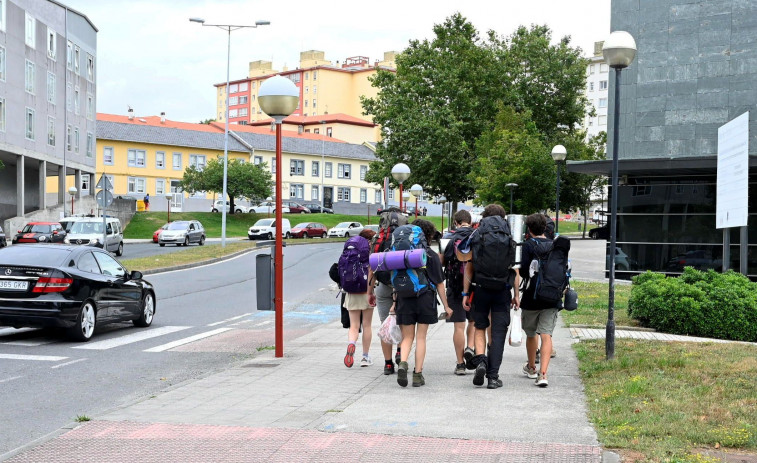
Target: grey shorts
539,321
383,300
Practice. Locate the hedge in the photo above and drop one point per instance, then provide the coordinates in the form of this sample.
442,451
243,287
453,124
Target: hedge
707,304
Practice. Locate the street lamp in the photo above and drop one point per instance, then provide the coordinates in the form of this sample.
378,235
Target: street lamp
228,28
417,191
72,191
278,97
168,203
323,162
442,199
268,201
511,186
558,154
619,51
400,172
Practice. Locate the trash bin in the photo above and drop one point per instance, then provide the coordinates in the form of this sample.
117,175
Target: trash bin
140,205
264,281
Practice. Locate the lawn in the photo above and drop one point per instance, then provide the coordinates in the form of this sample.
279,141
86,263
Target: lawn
670,401
593,302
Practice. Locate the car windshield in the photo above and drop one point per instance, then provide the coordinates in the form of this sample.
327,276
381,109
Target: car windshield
263,223
86,228
177,226
343,225
36,228
302,225
40,256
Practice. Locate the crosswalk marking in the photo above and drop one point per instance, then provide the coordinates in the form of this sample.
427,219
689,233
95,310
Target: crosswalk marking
39,358
180,342
68,363
27,343
5,380
11,331
131,338
230,319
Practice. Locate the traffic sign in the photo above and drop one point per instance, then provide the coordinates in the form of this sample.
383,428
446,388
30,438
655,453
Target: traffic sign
104,183
104,198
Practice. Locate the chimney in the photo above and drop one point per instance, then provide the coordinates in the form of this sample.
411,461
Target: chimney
163,117
131,113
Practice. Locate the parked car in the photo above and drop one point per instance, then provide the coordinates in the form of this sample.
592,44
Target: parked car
270,207
158,232
317,208
220,205
346,229
3,242
698,259
89,231
296,208
266,228
80,288
375,228
40,232
309,230
182,232
68,222
622,261
600,233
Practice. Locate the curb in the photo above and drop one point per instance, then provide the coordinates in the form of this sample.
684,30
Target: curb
624,328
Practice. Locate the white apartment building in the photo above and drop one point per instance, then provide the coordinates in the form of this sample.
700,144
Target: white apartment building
597,85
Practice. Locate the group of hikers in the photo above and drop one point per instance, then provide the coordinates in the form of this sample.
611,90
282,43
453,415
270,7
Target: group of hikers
476,278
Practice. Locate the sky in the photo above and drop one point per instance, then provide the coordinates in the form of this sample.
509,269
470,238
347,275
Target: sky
152,58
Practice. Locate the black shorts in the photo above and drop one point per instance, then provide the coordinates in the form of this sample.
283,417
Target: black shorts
414,310
459,314
486,301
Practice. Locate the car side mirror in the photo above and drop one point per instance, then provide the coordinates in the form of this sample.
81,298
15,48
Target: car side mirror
55,232
135,275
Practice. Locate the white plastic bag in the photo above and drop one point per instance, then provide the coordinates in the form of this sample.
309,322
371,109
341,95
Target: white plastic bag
390,332
515,334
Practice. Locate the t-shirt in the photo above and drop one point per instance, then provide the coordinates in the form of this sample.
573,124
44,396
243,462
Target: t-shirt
527,299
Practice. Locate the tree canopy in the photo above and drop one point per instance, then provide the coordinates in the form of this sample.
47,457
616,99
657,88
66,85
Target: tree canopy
244,180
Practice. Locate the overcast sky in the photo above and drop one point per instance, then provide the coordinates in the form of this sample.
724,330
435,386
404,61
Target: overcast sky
152,58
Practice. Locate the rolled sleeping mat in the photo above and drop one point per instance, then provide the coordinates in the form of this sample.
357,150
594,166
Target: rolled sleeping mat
397,260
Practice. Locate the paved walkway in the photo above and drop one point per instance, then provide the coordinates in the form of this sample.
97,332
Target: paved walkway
596,333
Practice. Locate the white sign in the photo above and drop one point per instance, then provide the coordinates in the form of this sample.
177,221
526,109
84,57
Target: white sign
732,203
104,183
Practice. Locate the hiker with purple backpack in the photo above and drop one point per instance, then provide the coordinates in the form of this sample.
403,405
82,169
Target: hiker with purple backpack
354,274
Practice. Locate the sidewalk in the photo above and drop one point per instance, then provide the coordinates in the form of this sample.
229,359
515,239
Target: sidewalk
308,406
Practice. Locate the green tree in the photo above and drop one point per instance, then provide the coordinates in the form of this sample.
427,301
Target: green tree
207,121
244,179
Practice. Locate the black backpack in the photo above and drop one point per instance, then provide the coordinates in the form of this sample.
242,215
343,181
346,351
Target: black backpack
493,253
454,270
382,241
552,277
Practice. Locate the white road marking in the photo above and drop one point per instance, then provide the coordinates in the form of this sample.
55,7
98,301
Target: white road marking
39,358
210,265
230,319
10,379
68,363
11,331
27,343
263,323
181,342
131,338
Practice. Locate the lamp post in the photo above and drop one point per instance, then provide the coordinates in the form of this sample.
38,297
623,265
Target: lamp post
72,191
268,201
405,198
442,200
417,191
619,51
511,186
558,154
400,172
228,28
168,213
323,162
278,97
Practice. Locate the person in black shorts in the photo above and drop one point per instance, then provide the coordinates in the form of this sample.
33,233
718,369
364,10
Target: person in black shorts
416,313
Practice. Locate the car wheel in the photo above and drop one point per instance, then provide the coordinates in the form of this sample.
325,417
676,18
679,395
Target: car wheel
202,240
250,237
148,311
186,241
120,250
347,235
592,235
214,210
161,244
84,328
302,212
269,236
288,235
239,211
323,235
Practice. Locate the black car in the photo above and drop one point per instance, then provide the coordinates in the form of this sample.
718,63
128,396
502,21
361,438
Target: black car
40,232
3,242
600,233
316,208
72,287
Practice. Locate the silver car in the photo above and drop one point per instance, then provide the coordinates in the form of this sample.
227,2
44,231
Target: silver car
182,232
346,229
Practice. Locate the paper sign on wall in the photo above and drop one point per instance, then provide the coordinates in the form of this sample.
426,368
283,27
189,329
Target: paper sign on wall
732,203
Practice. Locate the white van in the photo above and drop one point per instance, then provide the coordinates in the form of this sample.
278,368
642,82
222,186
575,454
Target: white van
89,231
266,229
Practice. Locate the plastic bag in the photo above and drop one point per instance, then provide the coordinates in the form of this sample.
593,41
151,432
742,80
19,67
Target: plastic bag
390,332
515,335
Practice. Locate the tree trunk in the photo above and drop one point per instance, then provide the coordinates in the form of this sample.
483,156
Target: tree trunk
232,206
586,213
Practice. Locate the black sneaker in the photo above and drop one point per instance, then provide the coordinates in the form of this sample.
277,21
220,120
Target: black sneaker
468,355
460,369
389,368
402,374
494,383
478,376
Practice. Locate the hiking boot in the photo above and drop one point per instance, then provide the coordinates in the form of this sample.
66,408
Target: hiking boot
529,371
348,359
389,368
366,361
402,374
468,355
494,383
397,357
460,369
542,380
418,379
478,376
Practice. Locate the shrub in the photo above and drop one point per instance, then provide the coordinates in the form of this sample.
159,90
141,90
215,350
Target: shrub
708,304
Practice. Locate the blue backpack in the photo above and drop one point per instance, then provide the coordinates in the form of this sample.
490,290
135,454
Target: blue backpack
409,282
353,265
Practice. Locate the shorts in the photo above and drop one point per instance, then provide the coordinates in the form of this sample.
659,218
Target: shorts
459,314
486,301
383,300
356,301
539,321
417,310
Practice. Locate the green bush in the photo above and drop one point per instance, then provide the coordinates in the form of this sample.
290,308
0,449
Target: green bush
708,304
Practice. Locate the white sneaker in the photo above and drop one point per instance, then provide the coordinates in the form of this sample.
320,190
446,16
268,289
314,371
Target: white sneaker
541,381
366,361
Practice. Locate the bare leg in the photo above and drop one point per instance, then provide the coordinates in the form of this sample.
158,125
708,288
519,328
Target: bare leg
470,333
546,352
480,338
352,335
408,335
367,330
387,350
420,347
532,343
458,339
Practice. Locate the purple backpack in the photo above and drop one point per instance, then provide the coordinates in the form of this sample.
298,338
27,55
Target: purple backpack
353,265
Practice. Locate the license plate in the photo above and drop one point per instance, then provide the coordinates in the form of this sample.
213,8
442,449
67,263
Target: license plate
11,285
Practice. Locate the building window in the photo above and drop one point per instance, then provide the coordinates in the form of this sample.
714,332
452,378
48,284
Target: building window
602,120
51,88
29,123
135,185
90,68
315,171
90,107
84,182
307,76
69,134
343,171
108,155
232,113
69,98
50,131
2,15
327,169
160,187
233,100
296,167
2,60
591,86
76,139
297,191
603,85
343,194
77,58
315,89
2,114
242,100
70,56
30,30
243,86
603,102
591,69
314,103
233,88
253,84
314,193
242,112
363,195
257,160
391,193
197,161
29,77
363,172
603,67
90,144
273,165
52,45
328,132
378,197
306,89
316,131
306,103
76,101
160,160
315,75
136,158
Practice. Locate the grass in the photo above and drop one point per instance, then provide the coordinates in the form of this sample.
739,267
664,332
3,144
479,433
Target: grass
189,255
593,302
82,418
660,401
